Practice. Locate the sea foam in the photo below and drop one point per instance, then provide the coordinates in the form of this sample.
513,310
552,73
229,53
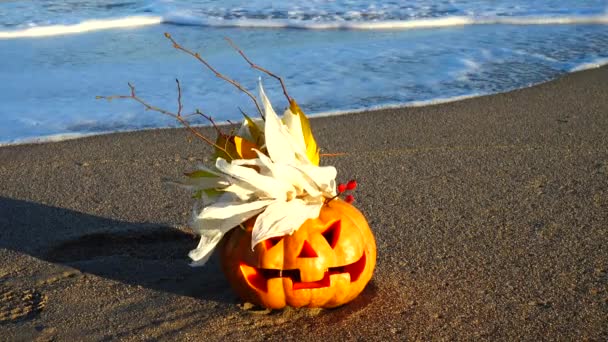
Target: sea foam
205,21
590,65
84,26
409,24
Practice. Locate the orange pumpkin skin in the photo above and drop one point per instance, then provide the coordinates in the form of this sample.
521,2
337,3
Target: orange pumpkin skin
325,263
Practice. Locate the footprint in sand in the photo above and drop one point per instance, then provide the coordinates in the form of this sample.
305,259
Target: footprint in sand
19,304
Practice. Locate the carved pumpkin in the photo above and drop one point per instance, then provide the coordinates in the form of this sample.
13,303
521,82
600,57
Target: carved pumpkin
325,263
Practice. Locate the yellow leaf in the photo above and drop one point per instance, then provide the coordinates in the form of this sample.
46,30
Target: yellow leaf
237,147
254,130
244,148
312,151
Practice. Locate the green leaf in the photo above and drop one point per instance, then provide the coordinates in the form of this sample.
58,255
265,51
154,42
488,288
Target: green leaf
212,192
198,194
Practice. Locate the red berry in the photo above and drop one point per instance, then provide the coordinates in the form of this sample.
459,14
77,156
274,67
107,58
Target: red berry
351,185
349,199
341,187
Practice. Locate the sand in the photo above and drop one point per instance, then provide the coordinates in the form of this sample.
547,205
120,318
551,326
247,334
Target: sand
490,215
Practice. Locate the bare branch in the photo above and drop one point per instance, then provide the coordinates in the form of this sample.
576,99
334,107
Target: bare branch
332,154
178,116
210,119
255,66
217,73
179,98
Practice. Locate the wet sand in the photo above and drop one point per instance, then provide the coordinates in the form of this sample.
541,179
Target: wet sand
490,216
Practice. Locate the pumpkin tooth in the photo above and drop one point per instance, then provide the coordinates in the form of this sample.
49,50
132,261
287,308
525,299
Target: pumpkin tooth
255,277
325,282
258,277
355,269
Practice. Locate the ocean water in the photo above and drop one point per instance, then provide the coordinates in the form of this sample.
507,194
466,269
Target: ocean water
56,56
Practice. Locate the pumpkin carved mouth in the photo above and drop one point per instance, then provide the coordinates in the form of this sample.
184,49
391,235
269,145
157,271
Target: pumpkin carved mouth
258,277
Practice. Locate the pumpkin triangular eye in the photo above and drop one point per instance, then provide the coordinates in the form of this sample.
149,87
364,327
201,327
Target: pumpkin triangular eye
332,233
269,243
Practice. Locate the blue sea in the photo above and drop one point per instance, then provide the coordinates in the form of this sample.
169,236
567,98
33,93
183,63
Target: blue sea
338,56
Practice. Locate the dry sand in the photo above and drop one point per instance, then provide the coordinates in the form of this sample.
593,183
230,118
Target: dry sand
490,214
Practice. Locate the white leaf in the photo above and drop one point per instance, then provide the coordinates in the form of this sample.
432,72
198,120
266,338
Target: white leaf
323,176
266,187
241,191
215,221
279,142
230,212
209,239
289,174
265,164
263,169
298,179
294,126
283,218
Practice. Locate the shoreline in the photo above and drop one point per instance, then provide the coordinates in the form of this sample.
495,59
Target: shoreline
74,136
489,216
591,65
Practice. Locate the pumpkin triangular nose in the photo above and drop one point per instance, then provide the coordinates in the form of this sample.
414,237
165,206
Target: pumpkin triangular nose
307,251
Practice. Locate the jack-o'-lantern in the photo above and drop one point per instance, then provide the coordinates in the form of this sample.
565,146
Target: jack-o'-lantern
286,237
326,262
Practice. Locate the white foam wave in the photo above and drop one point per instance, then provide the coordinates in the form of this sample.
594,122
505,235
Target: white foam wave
572,20
590,65
187,19
320,25
48,138
383,24
85,26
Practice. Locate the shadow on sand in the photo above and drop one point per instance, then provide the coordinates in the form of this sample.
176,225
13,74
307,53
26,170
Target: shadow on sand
149,255
141,254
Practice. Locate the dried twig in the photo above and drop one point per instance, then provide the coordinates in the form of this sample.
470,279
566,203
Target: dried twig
210,119
178,116
255,66
197,112
217,73
332,154
179,98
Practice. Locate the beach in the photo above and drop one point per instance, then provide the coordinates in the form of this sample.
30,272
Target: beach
490,216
